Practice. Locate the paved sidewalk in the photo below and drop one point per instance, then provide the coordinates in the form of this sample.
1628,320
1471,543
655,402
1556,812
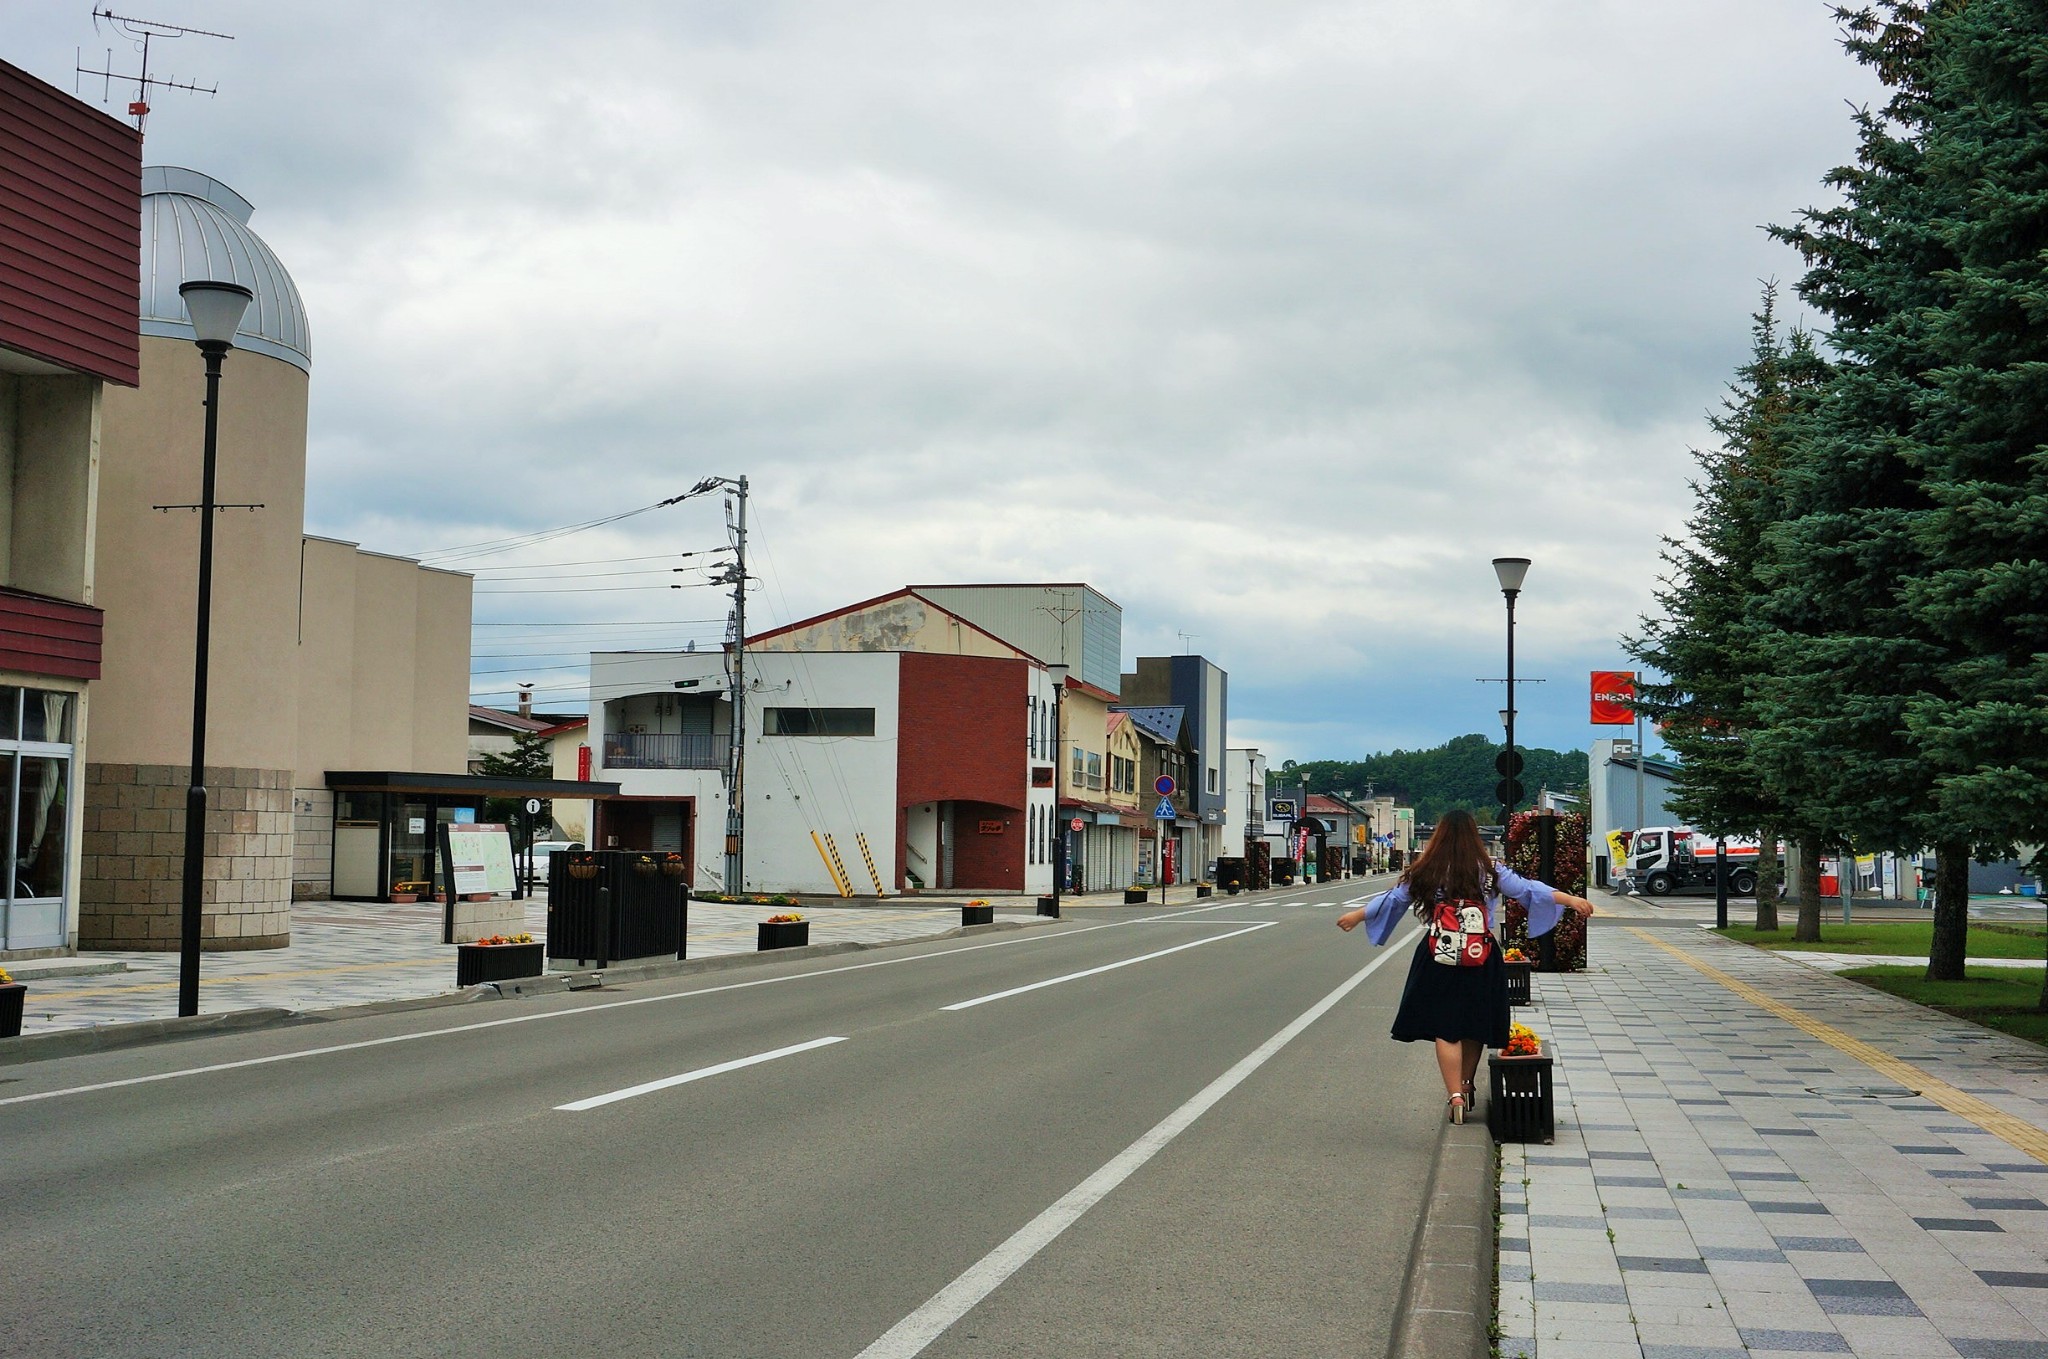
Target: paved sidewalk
1755,1158
346,953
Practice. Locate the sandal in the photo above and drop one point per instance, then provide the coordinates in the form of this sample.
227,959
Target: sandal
1457,1103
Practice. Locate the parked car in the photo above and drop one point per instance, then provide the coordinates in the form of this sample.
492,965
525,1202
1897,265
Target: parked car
541,850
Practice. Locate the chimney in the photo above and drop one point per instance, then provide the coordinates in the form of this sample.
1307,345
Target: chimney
526,700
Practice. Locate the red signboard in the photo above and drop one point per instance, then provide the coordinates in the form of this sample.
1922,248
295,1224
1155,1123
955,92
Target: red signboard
1612,690
583,764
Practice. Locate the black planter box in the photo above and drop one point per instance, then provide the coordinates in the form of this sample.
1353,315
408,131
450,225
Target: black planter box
977,915
12,997
479,963
1520,1103
782,934
1137,896
1201,892
1521,983
1049,906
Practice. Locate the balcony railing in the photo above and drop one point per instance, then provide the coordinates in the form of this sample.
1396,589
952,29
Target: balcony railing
665,750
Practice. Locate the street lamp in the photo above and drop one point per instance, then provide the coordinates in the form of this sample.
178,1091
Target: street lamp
1510,571
216,311
1057,673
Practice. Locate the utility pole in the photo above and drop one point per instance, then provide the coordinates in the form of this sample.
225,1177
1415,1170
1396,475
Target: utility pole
735,806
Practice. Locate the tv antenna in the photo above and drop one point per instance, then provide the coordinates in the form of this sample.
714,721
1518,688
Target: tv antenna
1187,641
140,33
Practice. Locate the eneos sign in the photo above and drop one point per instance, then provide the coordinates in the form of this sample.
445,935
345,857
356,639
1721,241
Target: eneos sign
1612,690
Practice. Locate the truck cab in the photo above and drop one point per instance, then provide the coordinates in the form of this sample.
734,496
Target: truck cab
1667,859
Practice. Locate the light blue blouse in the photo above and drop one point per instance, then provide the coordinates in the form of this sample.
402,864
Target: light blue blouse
1384,912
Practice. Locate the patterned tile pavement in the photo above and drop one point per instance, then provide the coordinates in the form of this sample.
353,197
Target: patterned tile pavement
1771,1162
346,953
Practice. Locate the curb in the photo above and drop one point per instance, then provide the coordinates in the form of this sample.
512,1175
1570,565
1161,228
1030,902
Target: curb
1446,1306
39,1047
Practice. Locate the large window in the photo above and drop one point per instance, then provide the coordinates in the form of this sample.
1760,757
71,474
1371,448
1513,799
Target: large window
35,785
818,721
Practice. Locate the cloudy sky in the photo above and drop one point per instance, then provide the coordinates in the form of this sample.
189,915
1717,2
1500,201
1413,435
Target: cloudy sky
1273,321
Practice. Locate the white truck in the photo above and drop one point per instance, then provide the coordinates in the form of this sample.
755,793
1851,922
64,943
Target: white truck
1667,859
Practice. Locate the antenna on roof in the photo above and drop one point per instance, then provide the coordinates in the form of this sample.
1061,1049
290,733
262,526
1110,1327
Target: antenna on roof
140,33
1185,639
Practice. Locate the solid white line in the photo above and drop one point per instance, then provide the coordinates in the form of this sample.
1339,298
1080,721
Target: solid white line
1106,967
598,1008
911,1335
598,1101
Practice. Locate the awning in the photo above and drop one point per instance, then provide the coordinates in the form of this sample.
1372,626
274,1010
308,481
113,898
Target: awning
465,785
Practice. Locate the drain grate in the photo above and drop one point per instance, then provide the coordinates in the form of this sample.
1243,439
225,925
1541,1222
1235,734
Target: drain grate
1861,1091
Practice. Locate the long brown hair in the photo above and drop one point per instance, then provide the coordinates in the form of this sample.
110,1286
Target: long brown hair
1454,865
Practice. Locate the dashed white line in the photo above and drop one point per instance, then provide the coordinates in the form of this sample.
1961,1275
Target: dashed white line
668,1082
1098,971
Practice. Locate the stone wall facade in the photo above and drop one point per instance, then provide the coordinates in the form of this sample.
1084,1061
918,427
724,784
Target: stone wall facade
312,844
131,881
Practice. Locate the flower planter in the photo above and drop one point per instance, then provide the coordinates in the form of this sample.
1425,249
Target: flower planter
977,915
404,898
1137,896
1521,983
1049,906
479,963
12,997
1201,892
782,934
1520,1104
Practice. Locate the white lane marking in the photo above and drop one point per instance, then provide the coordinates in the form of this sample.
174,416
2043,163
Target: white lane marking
597,1008
1195,911
599,1101
911,1335
1106,967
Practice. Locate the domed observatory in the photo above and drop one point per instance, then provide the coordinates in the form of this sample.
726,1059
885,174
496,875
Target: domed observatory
293,688
147,576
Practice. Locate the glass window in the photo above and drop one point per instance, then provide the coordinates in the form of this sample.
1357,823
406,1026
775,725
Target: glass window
39,853
10,713
818,721
46,715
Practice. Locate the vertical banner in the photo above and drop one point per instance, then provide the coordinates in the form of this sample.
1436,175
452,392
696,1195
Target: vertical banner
1612,690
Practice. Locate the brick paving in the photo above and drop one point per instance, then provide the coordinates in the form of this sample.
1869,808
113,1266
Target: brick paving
1771,1162
347,953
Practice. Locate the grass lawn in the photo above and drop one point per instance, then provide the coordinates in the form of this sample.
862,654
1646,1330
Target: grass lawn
1905,938
2001,998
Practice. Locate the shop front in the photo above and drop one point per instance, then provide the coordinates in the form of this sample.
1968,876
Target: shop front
387,824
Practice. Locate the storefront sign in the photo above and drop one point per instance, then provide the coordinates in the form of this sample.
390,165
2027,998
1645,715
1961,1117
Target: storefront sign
1612,690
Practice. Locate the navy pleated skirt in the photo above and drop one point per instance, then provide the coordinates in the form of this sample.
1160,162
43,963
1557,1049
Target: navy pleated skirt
1454,1003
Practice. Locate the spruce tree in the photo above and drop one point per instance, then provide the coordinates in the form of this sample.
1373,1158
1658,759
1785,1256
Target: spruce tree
1709,643
1979,439
1846,659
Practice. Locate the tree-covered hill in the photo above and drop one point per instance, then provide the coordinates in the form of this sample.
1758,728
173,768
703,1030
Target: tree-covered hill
1459,773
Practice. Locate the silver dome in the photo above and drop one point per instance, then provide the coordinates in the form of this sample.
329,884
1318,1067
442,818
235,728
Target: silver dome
194,227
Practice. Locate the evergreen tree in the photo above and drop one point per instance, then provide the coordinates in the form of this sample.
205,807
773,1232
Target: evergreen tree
1979,439
1845,659
532,757
1711,638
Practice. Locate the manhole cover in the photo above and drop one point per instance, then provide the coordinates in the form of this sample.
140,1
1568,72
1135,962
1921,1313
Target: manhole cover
1861,1091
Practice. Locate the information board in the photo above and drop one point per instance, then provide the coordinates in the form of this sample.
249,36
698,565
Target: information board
480,857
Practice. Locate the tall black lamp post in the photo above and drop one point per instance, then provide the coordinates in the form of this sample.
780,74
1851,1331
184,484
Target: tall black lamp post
216,310
1509,571
1058,675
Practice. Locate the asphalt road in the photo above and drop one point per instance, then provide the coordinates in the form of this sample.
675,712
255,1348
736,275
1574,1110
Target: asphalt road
1203,1145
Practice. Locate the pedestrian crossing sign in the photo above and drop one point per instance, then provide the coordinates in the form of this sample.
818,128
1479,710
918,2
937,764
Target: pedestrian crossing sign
1164,811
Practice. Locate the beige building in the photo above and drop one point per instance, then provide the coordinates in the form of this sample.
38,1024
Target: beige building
323,656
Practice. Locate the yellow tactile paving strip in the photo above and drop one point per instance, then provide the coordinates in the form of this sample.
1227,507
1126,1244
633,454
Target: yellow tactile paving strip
2024,1136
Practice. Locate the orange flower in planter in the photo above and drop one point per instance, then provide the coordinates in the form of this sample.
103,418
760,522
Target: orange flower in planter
786,918
1522,1042
1514,955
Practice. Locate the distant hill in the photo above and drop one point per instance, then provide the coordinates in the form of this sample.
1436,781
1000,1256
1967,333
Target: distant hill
1458,773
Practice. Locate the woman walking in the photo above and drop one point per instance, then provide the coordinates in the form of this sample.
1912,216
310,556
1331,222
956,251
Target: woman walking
1457,992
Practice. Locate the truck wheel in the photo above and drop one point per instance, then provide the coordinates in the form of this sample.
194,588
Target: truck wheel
1658,884
1743,883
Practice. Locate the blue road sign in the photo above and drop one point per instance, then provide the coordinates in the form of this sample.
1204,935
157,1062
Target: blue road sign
1164,811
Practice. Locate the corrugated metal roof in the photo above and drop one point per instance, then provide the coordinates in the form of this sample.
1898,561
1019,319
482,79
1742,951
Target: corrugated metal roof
195,227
